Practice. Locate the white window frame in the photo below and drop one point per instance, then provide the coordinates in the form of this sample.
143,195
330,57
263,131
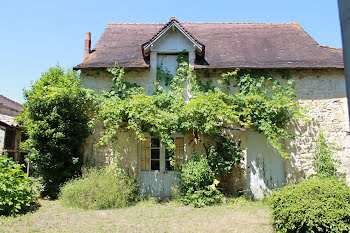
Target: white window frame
162,153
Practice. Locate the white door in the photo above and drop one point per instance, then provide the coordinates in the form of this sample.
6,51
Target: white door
265,167
157,176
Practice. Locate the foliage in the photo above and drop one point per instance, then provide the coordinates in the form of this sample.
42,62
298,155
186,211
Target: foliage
198,184
315,205
55,119
100,188
18,191
240,100
326,164
261,103
223,157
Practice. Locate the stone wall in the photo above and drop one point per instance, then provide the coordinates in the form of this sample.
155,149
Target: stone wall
324,97
322,92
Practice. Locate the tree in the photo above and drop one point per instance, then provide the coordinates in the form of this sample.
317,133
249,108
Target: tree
55,119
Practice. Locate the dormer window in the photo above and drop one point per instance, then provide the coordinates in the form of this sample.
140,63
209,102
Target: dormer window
173,38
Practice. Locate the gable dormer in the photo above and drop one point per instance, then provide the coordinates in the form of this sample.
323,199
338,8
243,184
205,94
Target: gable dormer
173,39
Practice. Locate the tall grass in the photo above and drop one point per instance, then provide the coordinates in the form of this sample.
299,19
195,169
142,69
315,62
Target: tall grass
100,188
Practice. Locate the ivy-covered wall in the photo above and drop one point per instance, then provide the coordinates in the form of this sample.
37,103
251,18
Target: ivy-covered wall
322,92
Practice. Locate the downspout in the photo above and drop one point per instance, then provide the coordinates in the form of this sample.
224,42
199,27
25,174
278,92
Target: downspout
344,15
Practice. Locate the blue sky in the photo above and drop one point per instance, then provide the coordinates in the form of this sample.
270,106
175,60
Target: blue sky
35,35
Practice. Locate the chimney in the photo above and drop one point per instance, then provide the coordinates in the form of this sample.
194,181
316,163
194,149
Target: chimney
87,47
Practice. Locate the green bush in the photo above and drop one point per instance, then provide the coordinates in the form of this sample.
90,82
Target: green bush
315,205
198,184
100,188
17,191
55,119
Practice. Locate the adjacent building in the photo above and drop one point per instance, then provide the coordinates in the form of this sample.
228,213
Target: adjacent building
10,132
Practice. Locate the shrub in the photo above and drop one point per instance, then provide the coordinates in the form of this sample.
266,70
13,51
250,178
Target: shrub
315,205
17,191
55,119
326,165
198,184
100,188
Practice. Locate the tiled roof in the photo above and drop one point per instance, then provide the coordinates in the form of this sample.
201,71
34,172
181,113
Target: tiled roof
227,45
9,103
8,120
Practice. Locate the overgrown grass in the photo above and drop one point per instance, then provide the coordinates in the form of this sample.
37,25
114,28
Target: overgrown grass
100,188
145,216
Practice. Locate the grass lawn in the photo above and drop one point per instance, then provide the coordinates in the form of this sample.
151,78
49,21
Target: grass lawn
146,216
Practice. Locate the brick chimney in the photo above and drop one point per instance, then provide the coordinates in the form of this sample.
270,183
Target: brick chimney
87,48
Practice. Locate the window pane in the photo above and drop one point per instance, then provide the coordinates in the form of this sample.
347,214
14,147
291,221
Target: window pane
154,164
155,153
10,137
168,167
155,142
167,154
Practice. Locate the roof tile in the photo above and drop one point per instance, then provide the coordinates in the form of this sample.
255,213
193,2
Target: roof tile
227,45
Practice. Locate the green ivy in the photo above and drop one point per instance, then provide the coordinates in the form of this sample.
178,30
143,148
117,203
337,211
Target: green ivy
261,103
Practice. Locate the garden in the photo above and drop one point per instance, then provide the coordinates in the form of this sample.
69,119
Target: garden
66,195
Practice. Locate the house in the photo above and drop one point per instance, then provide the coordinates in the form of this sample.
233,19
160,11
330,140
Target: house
10,132
214,48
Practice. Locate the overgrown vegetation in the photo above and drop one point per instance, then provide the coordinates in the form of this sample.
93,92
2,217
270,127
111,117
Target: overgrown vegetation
261,103
202,109
100,188
315,205
326,164
198,186
17,191
55,118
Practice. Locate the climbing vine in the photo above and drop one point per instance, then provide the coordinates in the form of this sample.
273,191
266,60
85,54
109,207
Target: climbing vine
241,100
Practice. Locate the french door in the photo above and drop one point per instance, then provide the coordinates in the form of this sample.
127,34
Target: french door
156,174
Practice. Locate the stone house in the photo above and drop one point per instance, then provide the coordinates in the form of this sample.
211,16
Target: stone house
214,48
10,132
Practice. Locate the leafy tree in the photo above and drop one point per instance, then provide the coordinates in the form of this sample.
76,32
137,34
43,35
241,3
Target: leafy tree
55,119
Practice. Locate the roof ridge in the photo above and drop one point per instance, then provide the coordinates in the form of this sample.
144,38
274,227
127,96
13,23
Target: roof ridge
292,23
330,47
113,23
257,23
